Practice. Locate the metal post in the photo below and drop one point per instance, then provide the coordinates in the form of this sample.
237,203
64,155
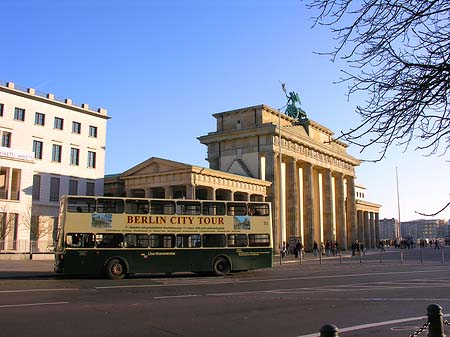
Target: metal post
301,256
340,257
320,254
360,252
280,186
381,256
421,254
436,327
401,256
329,330
442,255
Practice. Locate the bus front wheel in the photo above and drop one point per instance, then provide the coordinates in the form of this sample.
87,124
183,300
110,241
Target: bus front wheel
221,266
115,269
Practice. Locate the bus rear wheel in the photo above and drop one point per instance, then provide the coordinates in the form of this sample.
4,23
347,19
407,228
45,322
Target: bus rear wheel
221,266
115,269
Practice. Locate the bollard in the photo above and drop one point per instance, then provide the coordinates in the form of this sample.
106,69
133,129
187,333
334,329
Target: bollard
301,256
442,255
340,257
329,330
421,255
436,327
401,256
320,255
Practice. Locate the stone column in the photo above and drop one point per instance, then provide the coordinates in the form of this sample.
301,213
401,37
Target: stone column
373,236
292,199
274,196
308,193
341,230
367,241
167,192
360,221
190,192
328,200
351,210
377,228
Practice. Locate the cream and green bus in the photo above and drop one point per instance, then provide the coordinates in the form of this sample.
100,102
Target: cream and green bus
117,237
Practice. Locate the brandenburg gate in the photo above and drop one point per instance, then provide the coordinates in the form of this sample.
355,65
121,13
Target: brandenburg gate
313,185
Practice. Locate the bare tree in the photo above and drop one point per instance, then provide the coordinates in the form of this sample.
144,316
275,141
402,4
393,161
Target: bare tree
39,226
6,225
398,51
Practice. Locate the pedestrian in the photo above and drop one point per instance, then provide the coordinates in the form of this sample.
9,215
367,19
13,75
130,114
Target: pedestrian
283,249
297,249
436,244
315,248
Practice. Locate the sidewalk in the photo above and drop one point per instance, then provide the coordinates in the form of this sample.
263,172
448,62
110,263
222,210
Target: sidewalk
311,257
26,268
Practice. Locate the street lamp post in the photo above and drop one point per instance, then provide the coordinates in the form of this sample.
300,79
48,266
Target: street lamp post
280,203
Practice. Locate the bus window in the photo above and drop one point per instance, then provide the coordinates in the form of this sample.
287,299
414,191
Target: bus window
256,209
237,240
136,240
213,208
136,206
214,240
80,205
162,240
256,240
188,207
108,240
162,207
236,208
110,205
188,241
79,240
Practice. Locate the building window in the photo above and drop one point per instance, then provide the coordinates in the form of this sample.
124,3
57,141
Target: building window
59,123
54,189
39,119
74,156
90,188
6,139
73,187
92,131
36,187
19,114
10,183
91,159
37,149
76,127
1,109
56,153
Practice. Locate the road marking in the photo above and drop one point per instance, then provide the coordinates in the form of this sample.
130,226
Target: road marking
228,281
373,325
177,296
31,304
36,290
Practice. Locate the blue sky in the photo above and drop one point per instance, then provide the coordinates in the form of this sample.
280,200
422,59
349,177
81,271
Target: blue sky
162,68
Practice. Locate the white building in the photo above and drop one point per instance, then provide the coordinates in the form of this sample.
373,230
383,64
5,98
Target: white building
49,147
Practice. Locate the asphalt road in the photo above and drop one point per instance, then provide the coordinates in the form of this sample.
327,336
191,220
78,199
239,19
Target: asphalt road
362,297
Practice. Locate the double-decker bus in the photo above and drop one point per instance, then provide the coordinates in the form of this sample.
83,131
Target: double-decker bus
123,236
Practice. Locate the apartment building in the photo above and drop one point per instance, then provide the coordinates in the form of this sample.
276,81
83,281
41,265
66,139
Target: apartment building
49,147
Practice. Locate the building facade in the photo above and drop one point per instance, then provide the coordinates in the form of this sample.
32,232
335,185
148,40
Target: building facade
424,229
389,229
50,147
313,177
167,179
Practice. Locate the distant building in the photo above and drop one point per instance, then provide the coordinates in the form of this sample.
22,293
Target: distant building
367,217
389,229
49,147
424,229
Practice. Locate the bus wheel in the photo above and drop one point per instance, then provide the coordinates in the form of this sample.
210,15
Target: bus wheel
115,269
221,266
